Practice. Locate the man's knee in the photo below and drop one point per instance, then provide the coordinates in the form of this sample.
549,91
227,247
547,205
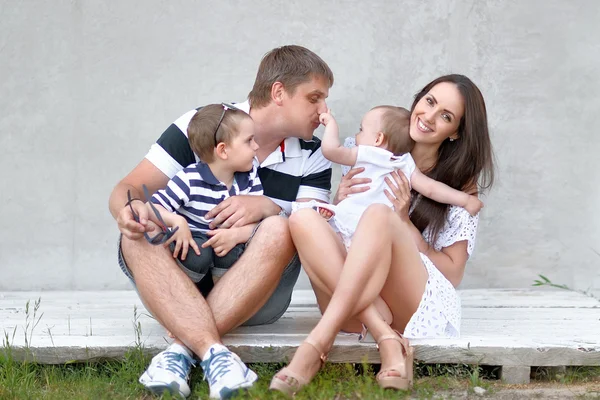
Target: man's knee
273,232
273,242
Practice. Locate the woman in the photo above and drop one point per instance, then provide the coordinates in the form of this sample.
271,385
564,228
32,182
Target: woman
400,272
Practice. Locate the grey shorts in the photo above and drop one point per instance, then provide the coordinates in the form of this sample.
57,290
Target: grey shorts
201,269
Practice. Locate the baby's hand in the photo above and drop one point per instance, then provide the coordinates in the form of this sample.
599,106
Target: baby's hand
326,117
474,205
325,213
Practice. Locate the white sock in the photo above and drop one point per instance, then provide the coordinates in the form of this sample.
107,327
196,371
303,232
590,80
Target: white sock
217,348
179,348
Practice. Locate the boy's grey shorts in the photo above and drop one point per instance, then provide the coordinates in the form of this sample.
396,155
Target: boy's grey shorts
201,268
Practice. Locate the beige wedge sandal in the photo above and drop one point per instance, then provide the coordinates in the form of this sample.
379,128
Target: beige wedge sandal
404,380
289,382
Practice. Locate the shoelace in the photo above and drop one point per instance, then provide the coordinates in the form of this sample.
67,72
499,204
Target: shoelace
217,365
177,363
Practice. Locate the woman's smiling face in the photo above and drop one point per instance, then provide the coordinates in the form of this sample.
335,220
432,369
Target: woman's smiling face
437,115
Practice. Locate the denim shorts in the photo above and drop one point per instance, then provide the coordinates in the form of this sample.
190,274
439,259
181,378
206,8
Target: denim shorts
270,312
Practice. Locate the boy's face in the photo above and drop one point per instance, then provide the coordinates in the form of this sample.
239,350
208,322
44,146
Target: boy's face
370,127
301,110
242,149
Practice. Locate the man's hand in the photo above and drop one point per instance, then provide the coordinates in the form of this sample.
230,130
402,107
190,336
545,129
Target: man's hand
183,240
222,240
474,205
237,211
128,226
350,185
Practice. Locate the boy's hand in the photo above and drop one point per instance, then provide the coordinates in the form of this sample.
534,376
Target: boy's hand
474,205
222,240
326,118
183,240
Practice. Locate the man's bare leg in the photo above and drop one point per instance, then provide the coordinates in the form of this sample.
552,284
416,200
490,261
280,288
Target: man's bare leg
170,295
247,286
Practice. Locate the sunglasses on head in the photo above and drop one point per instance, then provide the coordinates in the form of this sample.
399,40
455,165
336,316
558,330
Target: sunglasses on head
165,233
226,106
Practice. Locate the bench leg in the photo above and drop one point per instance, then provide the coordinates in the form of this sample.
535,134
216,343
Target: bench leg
515,374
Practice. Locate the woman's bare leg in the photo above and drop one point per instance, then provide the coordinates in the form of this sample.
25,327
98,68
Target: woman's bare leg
380,238
313,237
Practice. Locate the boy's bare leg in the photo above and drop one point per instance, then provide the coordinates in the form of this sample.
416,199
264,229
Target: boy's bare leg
247,286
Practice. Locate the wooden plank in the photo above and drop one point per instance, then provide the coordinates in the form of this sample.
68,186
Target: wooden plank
346,349
480,298
499,327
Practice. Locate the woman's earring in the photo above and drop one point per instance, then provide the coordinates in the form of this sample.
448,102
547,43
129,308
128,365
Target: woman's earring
452,140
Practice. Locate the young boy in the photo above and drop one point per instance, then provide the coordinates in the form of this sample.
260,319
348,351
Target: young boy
223,138
383,145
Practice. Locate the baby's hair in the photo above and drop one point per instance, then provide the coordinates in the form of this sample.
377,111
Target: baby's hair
395,126
201,130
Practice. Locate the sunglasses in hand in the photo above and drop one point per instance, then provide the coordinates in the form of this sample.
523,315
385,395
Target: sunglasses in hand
165,232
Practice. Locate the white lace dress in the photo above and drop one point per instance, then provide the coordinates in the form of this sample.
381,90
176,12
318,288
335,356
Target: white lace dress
438,314
439,311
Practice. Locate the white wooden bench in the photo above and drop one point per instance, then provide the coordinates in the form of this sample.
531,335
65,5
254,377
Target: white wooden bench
514,329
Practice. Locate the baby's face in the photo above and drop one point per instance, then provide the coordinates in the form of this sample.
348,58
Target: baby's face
370,128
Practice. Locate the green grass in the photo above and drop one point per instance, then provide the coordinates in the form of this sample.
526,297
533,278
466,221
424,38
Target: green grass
118,380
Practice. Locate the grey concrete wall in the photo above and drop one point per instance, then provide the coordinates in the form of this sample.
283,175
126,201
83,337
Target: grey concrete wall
87,86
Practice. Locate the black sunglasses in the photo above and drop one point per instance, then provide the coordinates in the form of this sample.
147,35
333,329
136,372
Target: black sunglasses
226,106
165,233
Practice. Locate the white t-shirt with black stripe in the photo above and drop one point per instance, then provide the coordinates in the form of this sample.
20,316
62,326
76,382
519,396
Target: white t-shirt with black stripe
195,190
296,169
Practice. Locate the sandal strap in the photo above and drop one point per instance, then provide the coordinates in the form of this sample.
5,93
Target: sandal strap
322,354
387,371
292,379
397,337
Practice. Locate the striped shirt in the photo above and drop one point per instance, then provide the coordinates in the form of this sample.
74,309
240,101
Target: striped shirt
194,191
296,169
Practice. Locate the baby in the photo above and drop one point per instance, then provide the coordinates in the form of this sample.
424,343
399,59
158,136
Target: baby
383,146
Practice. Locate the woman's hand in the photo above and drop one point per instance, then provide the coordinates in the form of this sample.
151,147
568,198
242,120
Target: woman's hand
349,185
400,193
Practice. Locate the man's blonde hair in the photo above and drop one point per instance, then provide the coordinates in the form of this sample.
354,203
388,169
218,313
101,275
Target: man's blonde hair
291,65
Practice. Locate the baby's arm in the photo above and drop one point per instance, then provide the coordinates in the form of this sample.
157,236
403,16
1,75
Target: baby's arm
331,146
443,193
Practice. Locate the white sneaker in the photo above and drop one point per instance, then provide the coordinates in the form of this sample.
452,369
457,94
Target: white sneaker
226,373
169,371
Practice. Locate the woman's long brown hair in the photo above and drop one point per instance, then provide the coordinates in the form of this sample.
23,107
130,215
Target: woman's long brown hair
464,164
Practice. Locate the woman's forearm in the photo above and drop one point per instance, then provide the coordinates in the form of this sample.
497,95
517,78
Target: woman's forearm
450,261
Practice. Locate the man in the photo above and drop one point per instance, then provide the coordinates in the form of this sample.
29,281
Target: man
289,93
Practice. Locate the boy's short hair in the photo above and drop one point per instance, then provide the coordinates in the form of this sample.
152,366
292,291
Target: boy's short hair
201,129
291,65
395,126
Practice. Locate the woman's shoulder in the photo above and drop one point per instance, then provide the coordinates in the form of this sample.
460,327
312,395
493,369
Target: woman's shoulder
460,225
